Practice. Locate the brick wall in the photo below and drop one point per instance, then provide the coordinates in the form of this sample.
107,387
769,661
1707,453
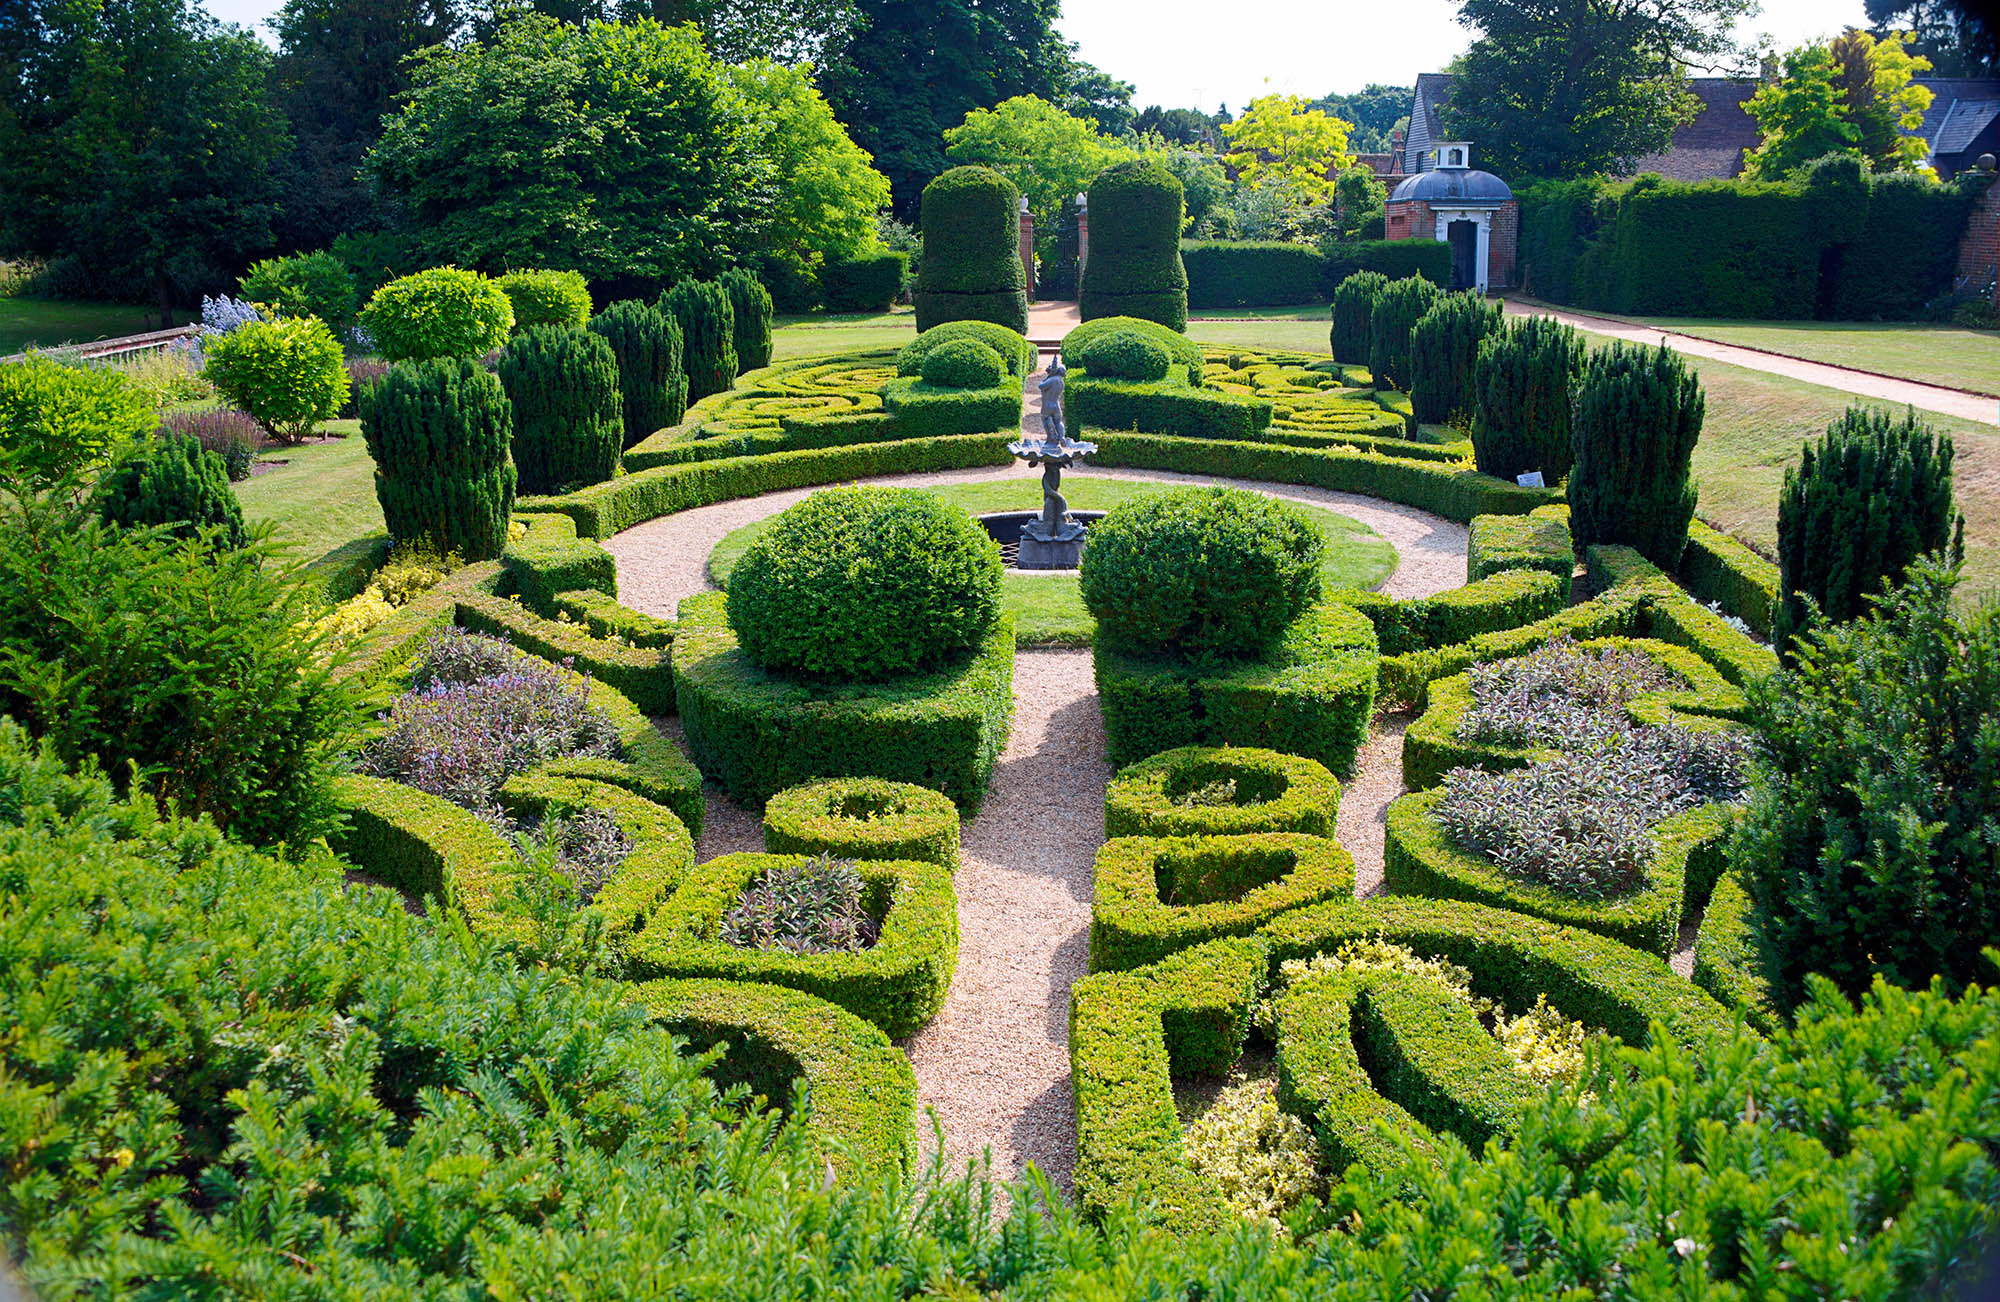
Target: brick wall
1412,219
1979,251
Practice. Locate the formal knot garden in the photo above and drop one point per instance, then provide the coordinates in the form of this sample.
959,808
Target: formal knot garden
1408,853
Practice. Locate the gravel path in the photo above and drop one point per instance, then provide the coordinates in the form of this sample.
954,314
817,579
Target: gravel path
1365,797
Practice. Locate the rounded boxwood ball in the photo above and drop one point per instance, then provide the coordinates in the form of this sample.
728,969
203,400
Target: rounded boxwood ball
963,364
1201,573
1125,355
864,584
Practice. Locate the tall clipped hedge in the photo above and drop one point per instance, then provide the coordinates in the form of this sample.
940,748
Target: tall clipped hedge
1392,320
1521,398
1393,259
1864,502
439,432
754,313
1637,415
1134,267
569,425
971,265
707,318
652,386
1353,305
1444,349
1246,273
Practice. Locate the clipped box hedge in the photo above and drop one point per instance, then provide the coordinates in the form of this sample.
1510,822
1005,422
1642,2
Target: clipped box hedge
1164,407
1406,678
920,409
898,983
1273,793
1718,568
757,734
1431,1056
863,818
1251,273
551,559
1322,1080
1500,601
1313,696
644,675
1729,960
860,1091
1539,540
604,617
1155,896
1420,858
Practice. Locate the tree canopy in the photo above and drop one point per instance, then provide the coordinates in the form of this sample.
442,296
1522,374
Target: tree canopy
824,193
1851,96
1048,154
1282,144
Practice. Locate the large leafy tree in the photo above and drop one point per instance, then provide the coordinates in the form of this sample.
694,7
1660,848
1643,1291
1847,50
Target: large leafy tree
612,149
1090,92
824,193
1374,112
1799,116
737,31
1569,88
1180,126
137,137
1960,37
1852,96
1047,153
1281,144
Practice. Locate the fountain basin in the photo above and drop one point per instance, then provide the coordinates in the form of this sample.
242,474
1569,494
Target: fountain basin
1020,552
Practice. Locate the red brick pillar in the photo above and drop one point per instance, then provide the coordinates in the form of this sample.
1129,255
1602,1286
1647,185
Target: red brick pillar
1028,248
1979,251
1082,234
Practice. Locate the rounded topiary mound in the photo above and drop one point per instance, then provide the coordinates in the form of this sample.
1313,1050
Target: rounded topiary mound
1013,347
863,818
1201,572
1125,355
442,312
971,268
547,298
1222,791
1181,350
963,364
1135,269
865,584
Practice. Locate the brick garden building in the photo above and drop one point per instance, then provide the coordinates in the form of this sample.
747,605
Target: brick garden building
1473,211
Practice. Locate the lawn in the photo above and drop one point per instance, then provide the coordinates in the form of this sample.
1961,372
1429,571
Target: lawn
321,499
1048,608
815,333
43,323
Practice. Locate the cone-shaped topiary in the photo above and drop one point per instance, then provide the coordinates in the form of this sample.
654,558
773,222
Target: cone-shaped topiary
652,387
707,319
1637,416
1868,499
754,313
438,431
971,265
173,481
1444,349
1391,321
569,425
1134,267
1521,398
547,298
1353,302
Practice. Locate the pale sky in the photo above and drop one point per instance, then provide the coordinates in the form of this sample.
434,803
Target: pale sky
1201,53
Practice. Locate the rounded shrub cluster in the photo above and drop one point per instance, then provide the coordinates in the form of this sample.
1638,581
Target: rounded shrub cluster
442,312
287,374
304,284
1013,347
173,481
971,267
865,584
1181,350
1125,355
963,364
547,298
57,421
1201,572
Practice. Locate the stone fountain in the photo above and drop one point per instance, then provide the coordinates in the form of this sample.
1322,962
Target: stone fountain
1053,540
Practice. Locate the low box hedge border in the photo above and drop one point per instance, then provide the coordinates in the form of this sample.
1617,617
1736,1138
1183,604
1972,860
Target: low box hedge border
919,409
1130,1034
549,558
1241,882
756,734
1539,540
1718,568
645,675
1163,407
1420,858
1729,960
860,1091
1432,1057
1406,678
898,983
1322,1080
1287,793
1500,601
603,617
900,820
1314,696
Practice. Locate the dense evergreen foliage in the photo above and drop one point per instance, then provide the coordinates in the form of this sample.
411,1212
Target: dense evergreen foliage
1353,307
1637,415
971,266
1862,503
305,284
868,282
175,483
652,385
1135,267
1444,351
751,303
707,318
569,424
1391,321
1521,390
439,433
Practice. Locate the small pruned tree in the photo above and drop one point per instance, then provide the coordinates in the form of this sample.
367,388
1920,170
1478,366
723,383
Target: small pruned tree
1444,349
707,319
568,423
1353,302
1521,398
1861,505
1397,309
439,432
1637,417
652,386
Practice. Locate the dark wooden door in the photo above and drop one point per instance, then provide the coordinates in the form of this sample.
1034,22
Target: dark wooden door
1464,237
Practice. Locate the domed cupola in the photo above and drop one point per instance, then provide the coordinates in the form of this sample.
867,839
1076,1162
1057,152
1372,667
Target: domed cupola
1454,182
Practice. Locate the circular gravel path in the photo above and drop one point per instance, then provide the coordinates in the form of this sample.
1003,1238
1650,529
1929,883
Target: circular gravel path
994,1063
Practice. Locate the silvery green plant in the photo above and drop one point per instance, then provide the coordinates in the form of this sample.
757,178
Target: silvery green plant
815,907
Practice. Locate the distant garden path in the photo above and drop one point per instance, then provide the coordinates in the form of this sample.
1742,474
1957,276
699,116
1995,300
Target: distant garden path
994,1064
1866,384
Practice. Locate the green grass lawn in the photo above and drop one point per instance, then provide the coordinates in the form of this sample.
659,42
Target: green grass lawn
43,323
1048,608
1288,312
816,333
322,499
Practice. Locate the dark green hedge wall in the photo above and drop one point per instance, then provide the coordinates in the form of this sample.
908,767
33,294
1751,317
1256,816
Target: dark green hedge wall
1134,266
971,268
1396,259
1246,273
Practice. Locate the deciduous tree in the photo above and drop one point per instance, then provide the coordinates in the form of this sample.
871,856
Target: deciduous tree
1049,154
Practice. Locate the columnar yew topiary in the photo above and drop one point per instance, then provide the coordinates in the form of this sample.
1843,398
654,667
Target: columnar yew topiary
1392,319
1353,303
652,386
1134,268
1637,415
175,482
1521,398
569,425
439,432
1444,350
971,264
442,312
1863,503
707,319
547,298
754,312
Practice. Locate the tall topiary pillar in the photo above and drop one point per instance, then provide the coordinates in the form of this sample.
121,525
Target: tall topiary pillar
1135,269
1391,321
1521,398
707,319
1637,416
751,303
1444,349
569,424
1353,303
652,386
1868,499
971,265
438,431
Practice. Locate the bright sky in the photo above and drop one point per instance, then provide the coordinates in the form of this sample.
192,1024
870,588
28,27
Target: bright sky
1198,54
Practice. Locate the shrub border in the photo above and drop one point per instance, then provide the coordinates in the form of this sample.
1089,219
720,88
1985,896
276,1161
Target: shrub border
1136,802
801,820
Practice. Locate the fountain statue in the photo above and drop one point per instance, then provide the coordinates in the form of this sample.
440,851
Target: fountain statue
1052,541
